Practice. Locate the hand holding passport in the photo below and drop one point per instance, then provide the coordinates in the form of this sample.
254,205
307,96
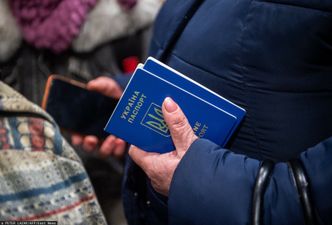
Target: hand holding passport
160,167
138,116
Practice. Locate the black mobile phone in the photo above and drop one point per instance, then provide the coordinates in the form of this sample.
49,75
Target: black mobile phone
75,108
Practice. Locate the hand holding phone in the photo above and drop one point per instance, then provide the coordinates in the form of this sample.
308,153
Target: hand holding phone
111,145
77,109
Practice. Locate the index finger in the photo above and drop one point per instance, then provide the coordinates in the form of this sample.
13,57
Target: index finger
99,85
106,86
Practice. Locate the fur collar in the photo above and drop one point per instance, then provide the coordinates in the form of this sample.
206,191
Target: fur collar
10,35
108,21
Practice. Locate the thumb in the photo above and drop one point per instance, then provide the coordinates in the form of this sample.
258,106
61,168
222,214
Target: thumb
179,127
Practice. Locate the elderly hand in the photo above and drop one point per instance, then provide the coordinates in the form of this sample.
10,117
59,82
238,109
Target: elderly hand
111,145
160,167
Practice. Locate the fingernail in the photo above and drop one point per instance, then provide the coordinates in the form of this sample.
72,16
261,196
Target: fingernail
170,105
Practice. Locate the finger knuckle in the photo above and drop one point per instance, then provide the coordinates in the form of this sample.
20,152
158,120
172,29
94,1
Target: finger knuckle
179,122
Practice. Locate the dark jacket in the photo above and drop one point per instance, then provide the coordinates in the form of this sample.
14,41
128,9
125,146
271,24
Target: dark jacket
273,58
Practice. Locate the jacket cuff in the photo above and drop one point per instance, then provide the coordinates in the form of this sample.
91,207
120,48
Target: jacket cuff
211,185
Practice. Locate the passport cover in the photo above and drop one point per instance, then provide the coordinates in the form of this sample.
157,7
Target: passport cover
138,117
164,71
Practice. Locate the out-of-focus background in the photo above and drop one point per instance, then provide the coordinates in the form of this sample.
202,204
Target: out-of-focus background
79,39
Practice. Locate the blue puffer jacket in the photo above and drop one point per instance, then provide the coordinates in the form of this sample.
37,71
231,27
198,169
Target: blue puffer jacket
273,58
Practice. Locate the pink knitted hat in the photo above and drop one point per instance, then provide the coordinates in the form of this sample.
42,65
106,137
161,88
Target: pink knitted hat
51,24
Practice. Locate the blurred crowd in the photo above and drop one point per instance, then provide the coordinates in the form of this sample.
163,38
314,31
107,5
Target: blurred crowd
81,40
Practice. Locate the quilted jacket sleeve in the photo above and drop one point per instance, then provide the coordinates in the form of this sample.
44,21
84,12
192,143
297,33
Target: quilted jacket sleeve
214,186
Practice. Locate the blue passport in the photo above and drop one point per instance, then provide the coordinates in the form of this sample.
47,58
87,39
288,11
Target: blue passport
138,116
156,67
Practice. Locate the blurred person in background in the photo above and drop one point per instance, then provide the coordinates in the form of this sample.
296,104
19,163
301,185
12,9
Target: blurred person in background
41,176
81,40
274,59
